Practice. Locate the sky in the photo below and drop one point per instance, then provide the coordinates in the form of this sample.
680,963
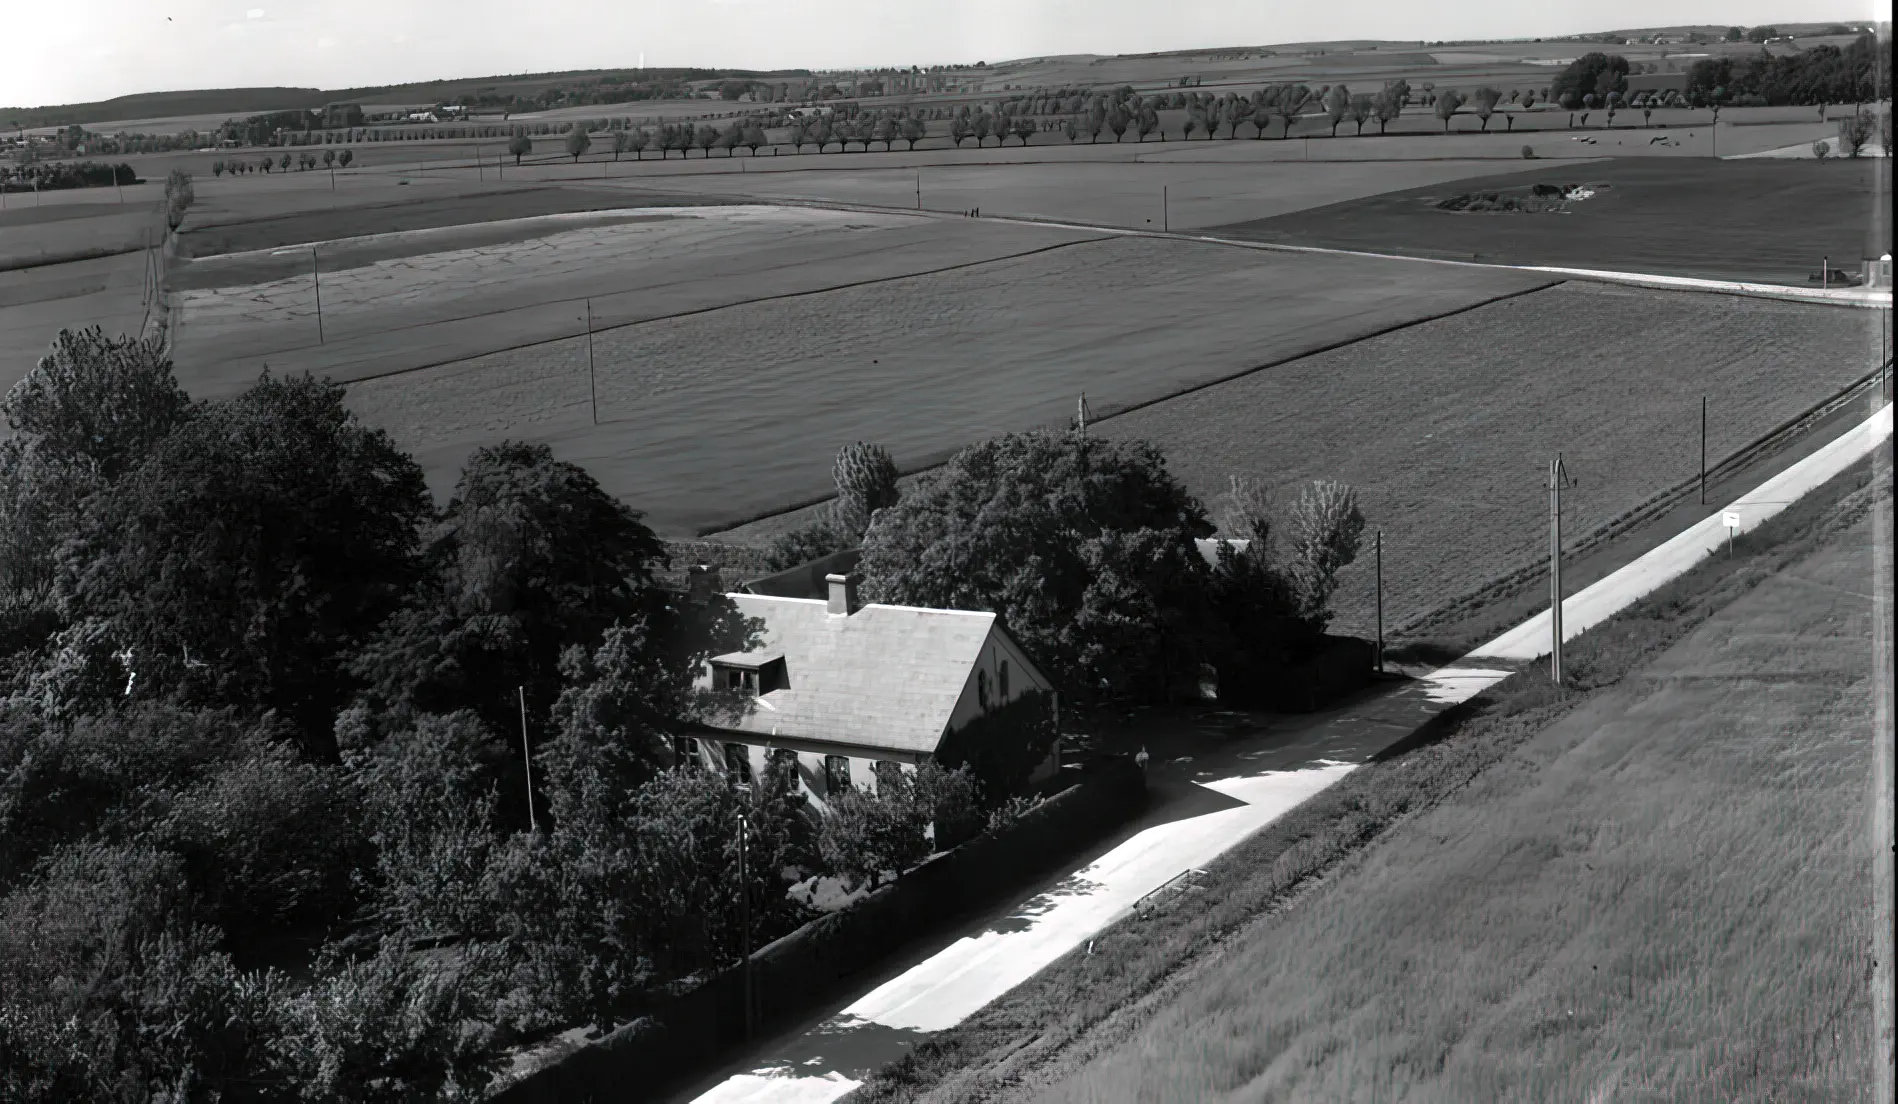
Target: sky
85,50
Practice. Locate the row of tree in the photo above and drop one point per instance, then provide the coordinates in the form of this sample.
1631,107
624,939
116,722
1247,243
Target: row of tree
55,175
330,159
1820,75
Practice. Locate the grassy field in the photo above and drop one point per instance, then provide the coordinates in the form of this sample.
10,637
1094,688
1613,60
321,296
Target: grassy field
1754,219
36,303
1653,885
1447,428
710,418
406,300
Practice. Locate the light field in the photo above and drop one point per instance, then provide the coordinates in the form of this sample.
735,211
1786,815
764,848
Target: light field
395,302
1447,428
711,418
1663,896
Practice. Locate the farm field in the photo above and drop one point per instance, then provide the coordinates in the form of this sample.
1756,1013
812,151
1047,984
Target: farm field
46,234
1569,925
1103,194
1757,219
1447,428
405,300
693,409
36,303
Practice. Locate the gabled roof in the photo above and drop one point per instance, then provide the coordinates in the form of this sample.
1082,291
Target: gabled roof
884,677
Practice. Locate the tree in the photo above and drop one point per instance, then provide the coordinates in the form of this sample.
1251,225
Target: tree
1363,106
329,158
1447,103
269,535
345,157
754,137
284,163
636,140
865,478
619,143
981,127
1083,546
884,130
578,141
798,136
959,129
1854,132
705,137
731,138
520,145
912,130
530,558
217,169
1290,101
1486,99
1325,530
1337,105
1024,128
1192,123
1595,72
1117,121
1146,121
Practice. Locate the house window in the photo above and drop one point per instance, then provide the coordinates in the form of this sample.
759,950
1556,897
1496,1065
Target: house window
784,759
982,689
738,762
836,773
1001,681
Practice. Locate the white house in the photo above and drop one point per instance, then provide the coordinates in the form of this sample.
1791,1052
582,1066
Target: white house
852,690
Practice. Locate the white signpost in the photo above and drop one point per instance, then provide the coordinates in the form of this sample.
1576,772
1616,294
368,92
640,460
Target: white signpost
1731,519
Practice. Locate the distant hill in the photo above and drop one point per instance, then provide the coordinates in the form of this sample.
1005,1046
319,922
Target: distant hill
161,105
239,102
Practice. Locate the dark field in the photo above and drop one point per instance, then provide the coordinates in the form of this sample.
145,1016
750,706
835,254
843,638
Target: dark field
1733,220
425,212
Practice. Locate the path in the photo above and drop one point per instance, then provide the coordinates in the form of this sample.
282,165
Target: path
1188,824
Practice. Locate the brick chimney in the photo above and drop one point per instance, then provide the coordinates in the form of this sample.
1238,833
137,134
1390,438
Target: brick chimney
843,594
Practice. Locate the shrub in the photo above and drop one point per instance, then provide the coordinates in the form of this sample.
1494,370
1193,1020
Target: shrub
1528,153
1821,149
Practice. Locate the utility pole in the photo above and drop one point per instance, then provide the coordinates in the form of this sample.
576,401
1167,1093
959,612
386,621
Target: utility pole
593,394
1377,545
744,915
919,190
1557,474
1166,220
317,281
527,760
1703,450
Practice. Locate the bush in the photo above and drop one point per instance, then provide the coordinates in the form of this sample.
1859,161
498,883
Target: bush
1528,153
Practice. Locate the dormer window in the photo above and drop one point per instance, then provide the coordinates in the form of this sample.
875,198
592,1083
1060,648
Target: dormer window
754,674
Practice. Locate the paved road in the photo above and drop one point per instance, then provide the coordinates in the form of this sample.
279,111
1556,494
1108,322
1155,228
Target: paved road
1204,804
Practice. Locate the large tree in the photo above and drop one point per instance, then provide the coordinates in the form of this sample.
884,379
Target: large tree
1584,76
266,536
1083,546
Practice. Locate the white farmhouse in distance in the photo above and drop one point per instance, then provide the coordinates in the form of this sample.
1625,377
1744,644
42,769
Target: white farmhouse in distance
852,690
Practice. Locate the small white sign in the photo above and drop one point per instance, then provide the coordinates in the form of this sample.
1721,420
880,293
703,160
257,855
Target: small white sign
1731,519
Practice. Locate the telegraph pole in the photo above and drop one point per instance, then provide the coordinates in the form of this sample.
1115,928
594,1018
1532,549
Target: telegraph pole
1166,221
593,394
1378,546
744,916
527,760
317,280
1557,473
1703,450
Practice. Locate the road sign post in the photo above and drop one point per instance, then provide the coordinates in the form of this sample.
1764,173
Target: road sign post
1730,519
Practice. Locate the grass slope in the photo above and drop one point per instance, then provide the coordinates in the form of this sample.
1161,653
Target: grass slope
1747,220
1688,878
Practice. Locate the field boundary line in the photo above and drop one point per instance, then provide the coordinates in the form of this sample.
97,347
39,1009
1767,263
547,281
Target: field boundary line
1761,447
688,313
941,458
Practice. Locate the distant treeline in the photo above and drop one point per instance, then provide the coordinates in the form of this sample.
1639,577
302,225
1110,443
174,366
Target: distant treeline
1822,74
53,175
